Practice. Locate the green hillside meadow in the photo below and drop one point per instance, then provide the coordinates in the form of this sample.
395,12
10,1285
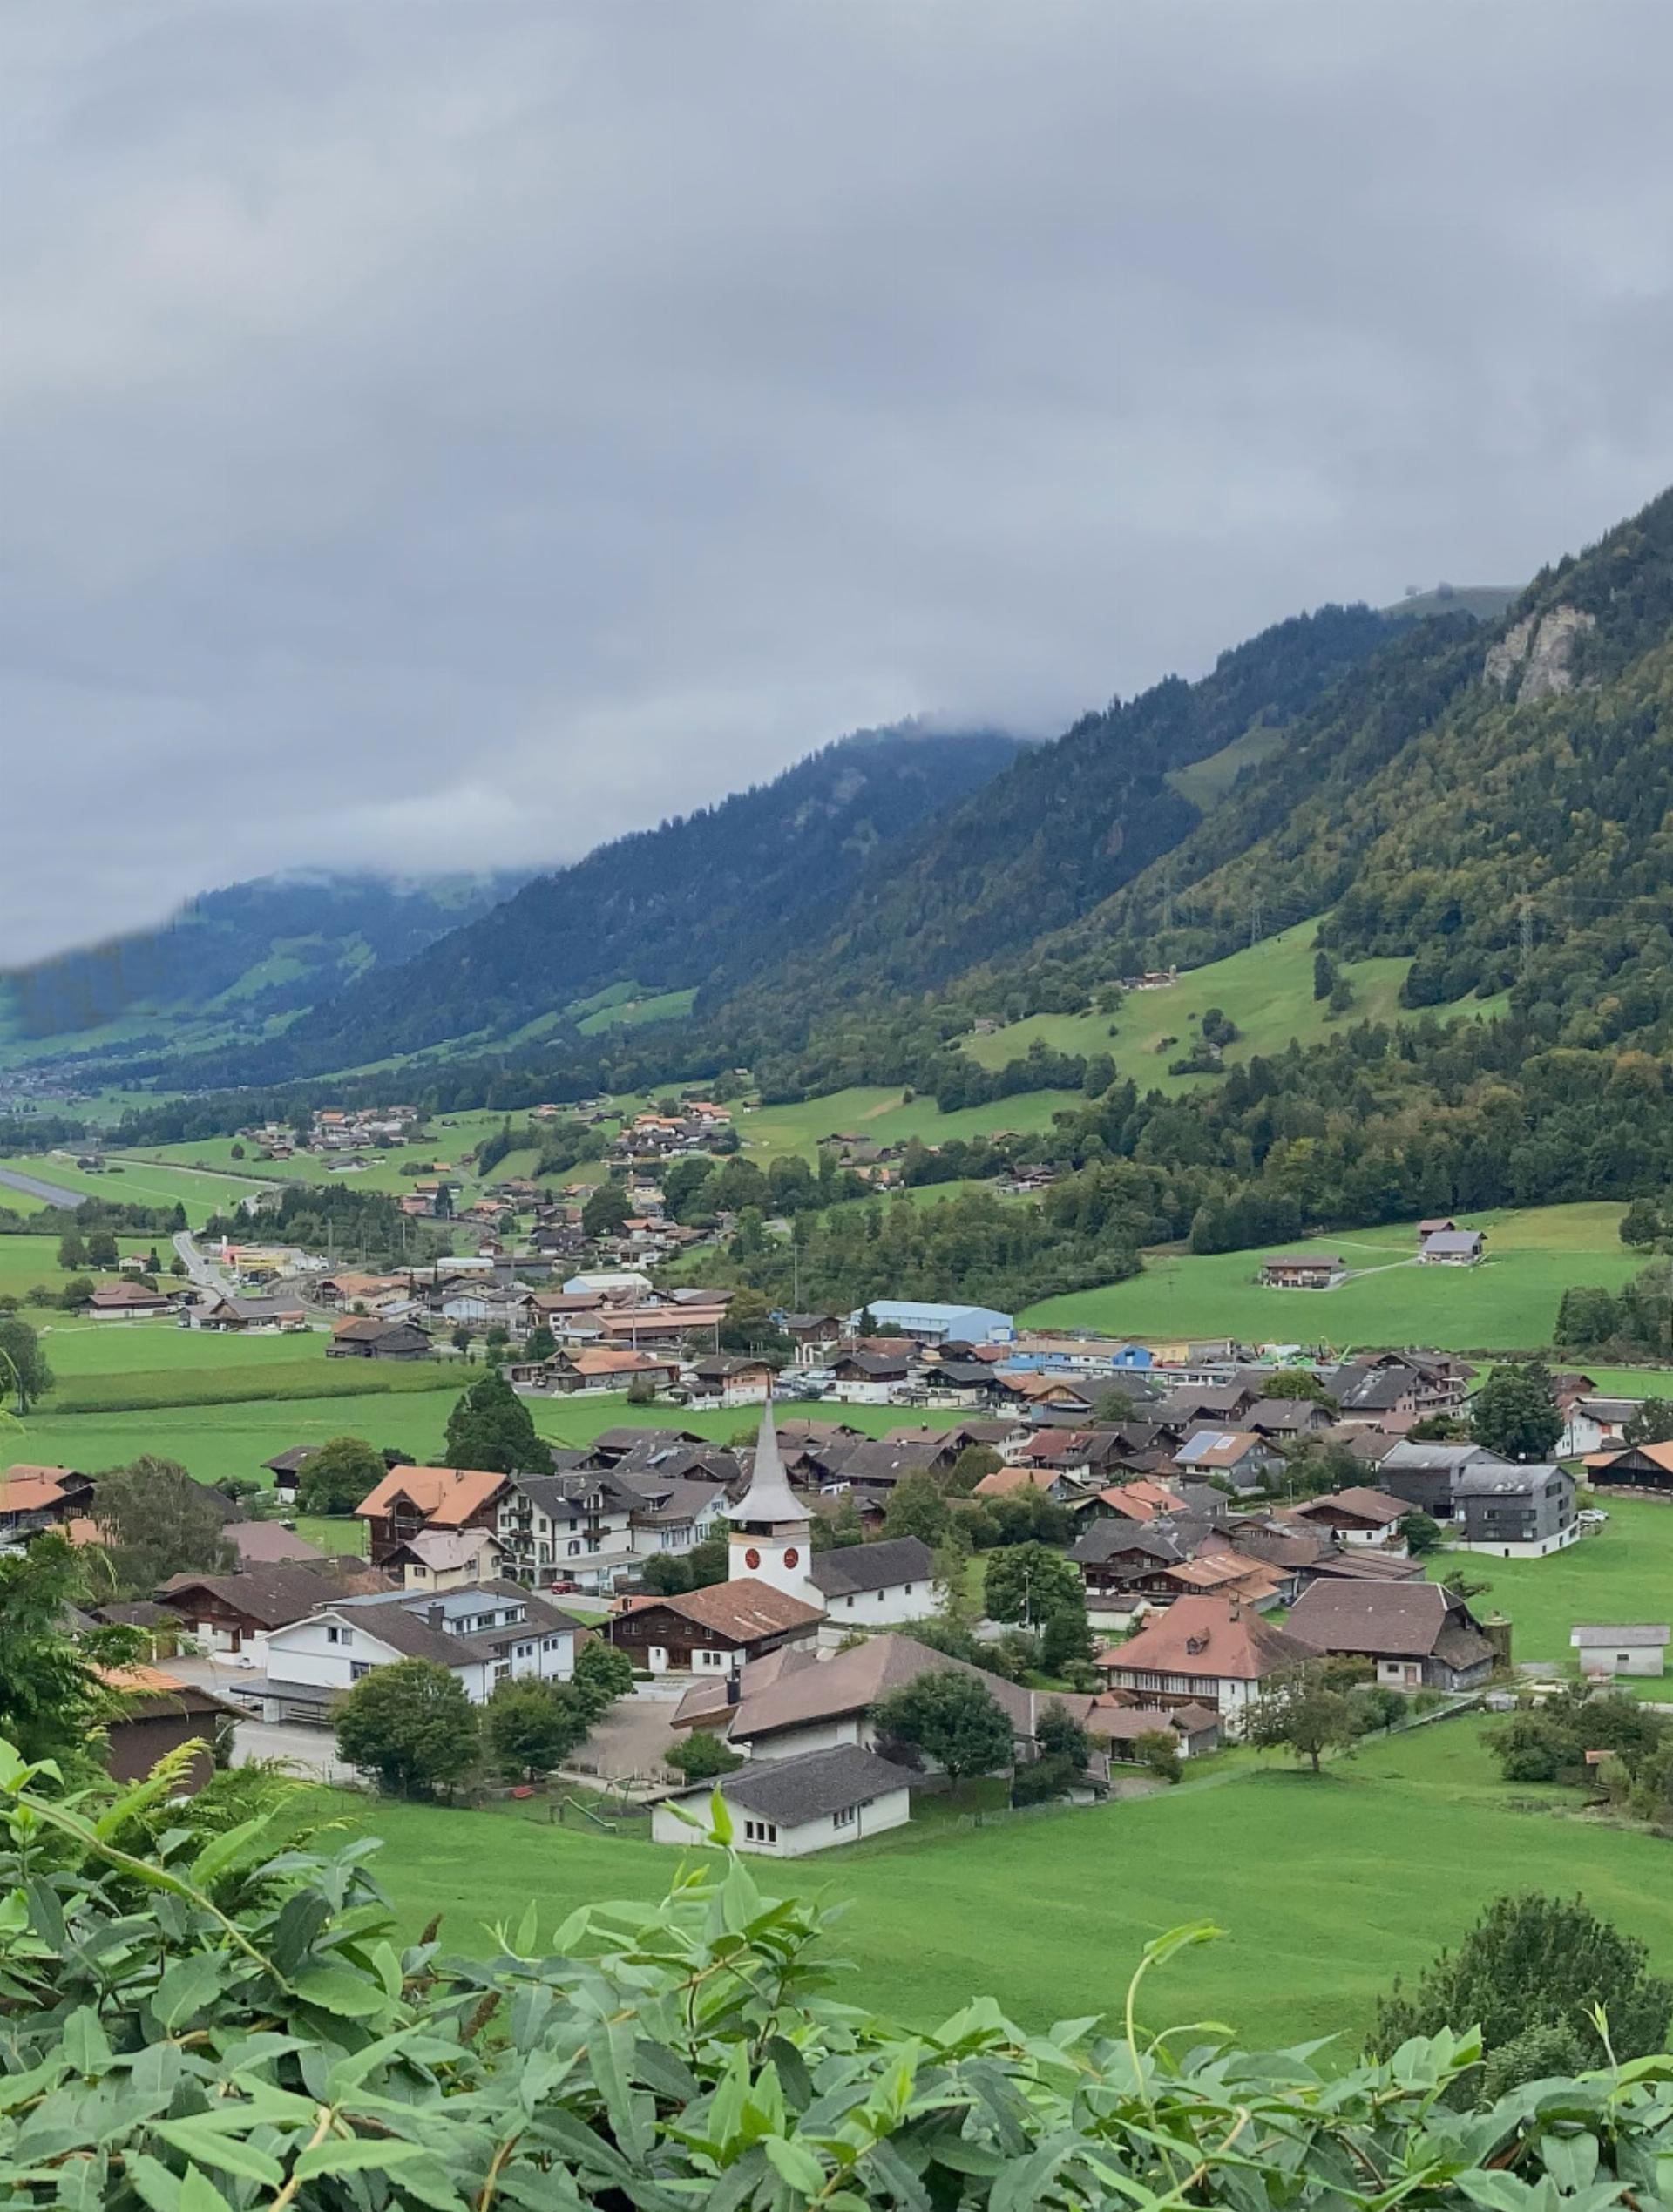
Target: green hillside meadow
1267,989
1508,1302
1405,1841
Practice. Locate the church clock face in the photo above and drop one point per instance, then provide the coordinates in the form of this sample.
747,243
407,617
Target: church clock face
752,1559
792,1556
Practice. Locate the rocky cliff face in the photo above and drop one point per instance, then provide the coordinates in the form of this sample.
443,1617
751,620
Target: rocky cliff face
1536,655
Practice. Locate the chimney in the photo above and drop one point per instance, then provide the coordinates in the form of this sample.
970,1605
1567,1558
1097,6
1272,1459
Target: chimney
734,1689
435,1618
1234,1607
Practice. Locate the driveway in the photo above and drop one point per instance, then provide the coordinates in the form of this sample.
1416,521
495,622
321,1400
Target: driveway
630,1741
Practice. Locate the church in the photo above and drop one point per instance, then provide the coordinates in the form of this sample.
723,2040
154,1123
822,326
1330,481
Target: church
778,1592
859,1585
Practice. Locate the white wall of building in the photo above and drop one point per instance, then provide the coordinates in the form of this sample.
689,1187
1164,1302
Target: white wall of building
892,1810
330,1651
882,1608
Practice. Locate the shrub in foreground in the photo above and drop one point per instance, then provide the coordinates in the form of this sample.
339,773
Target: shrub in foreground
194,2025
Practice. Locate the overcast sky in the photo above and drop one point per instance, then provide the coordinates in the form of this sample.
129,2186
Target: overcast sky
441,435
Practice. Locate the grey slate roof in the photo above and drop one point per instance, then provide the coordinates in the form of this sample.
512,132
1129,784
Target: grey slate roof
813,1785
1634,1638
768,1498
1504,1481
871,1566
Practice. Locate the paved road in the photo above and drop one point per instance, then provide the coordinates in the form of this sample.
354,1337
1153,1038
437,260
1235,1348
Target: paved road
31,1187
197,1266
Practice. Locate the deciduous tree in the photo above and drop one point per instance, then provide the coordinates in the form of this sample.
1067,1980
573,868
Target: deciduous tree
530,1728
335,1478
412,1725
952,1718
154,1520
1029,1582
1298,1712
1515,1413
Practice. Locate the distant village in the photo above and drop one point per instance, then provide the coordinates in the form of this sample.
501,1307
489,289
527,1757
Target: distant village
762,1590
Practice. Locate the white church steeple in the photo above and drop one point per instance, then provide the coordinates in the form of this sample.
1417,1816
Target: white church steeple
771,1524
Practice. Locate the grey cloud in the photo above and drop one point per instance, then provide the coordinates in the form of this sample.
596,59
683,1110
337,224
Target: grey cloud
448,434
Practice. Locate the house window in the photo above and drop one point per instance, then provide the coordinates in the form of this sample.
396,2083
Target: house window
574,1547
335,1635
502,1670
357,1668
909,1591
849,1602
548,1643
760,1831
845,1817
525,1651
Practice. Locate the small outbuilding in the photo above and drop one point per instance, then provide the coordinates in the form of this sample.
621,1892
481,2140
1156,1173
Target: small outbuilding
1303,1270
1640,1649
788,1808
1452,1247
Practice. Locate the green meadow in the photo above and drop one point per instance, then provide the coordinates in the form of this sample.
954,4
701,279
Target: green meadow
887,1117
225,1413
1406,1840
1267,989
26,1262
136,1182
1623,1575
1506,1303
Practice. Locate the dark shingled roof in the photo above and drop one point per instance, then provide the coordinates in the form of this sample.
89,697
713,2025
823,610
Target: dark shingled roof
871,1566
1397,1621
813,1785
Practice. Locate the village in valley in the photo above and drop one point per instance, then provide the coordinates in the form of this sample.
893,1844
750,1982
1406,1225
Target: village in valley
864,1571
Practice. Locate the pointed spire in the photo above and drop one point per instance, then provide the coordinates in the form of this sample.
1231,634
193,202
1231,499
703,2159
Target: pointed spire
768,1496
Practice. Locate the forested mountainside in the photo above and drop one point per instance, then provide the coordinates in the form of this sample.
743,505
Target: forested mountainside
1486,804
701,900
250,953
1492,801
1064,827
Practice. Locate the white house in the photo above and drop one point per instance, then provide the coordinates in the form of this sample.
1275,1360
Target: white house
876,1585
568,1528
794,1700
1216,1651
1639,1650
485,1633
787,1808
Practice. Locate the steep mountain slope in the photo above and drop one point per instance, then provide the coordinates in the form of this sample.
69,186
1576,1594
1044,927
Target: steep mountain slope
238,959
1493,801
1067,824
703,901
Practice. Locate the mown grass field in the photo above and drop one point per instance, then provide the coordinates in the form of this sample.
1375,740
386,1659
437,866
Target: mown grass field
1405,1843
28,1260
887,1117
136,1182
1622,1575
1508,1302
236,1434
1266,989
